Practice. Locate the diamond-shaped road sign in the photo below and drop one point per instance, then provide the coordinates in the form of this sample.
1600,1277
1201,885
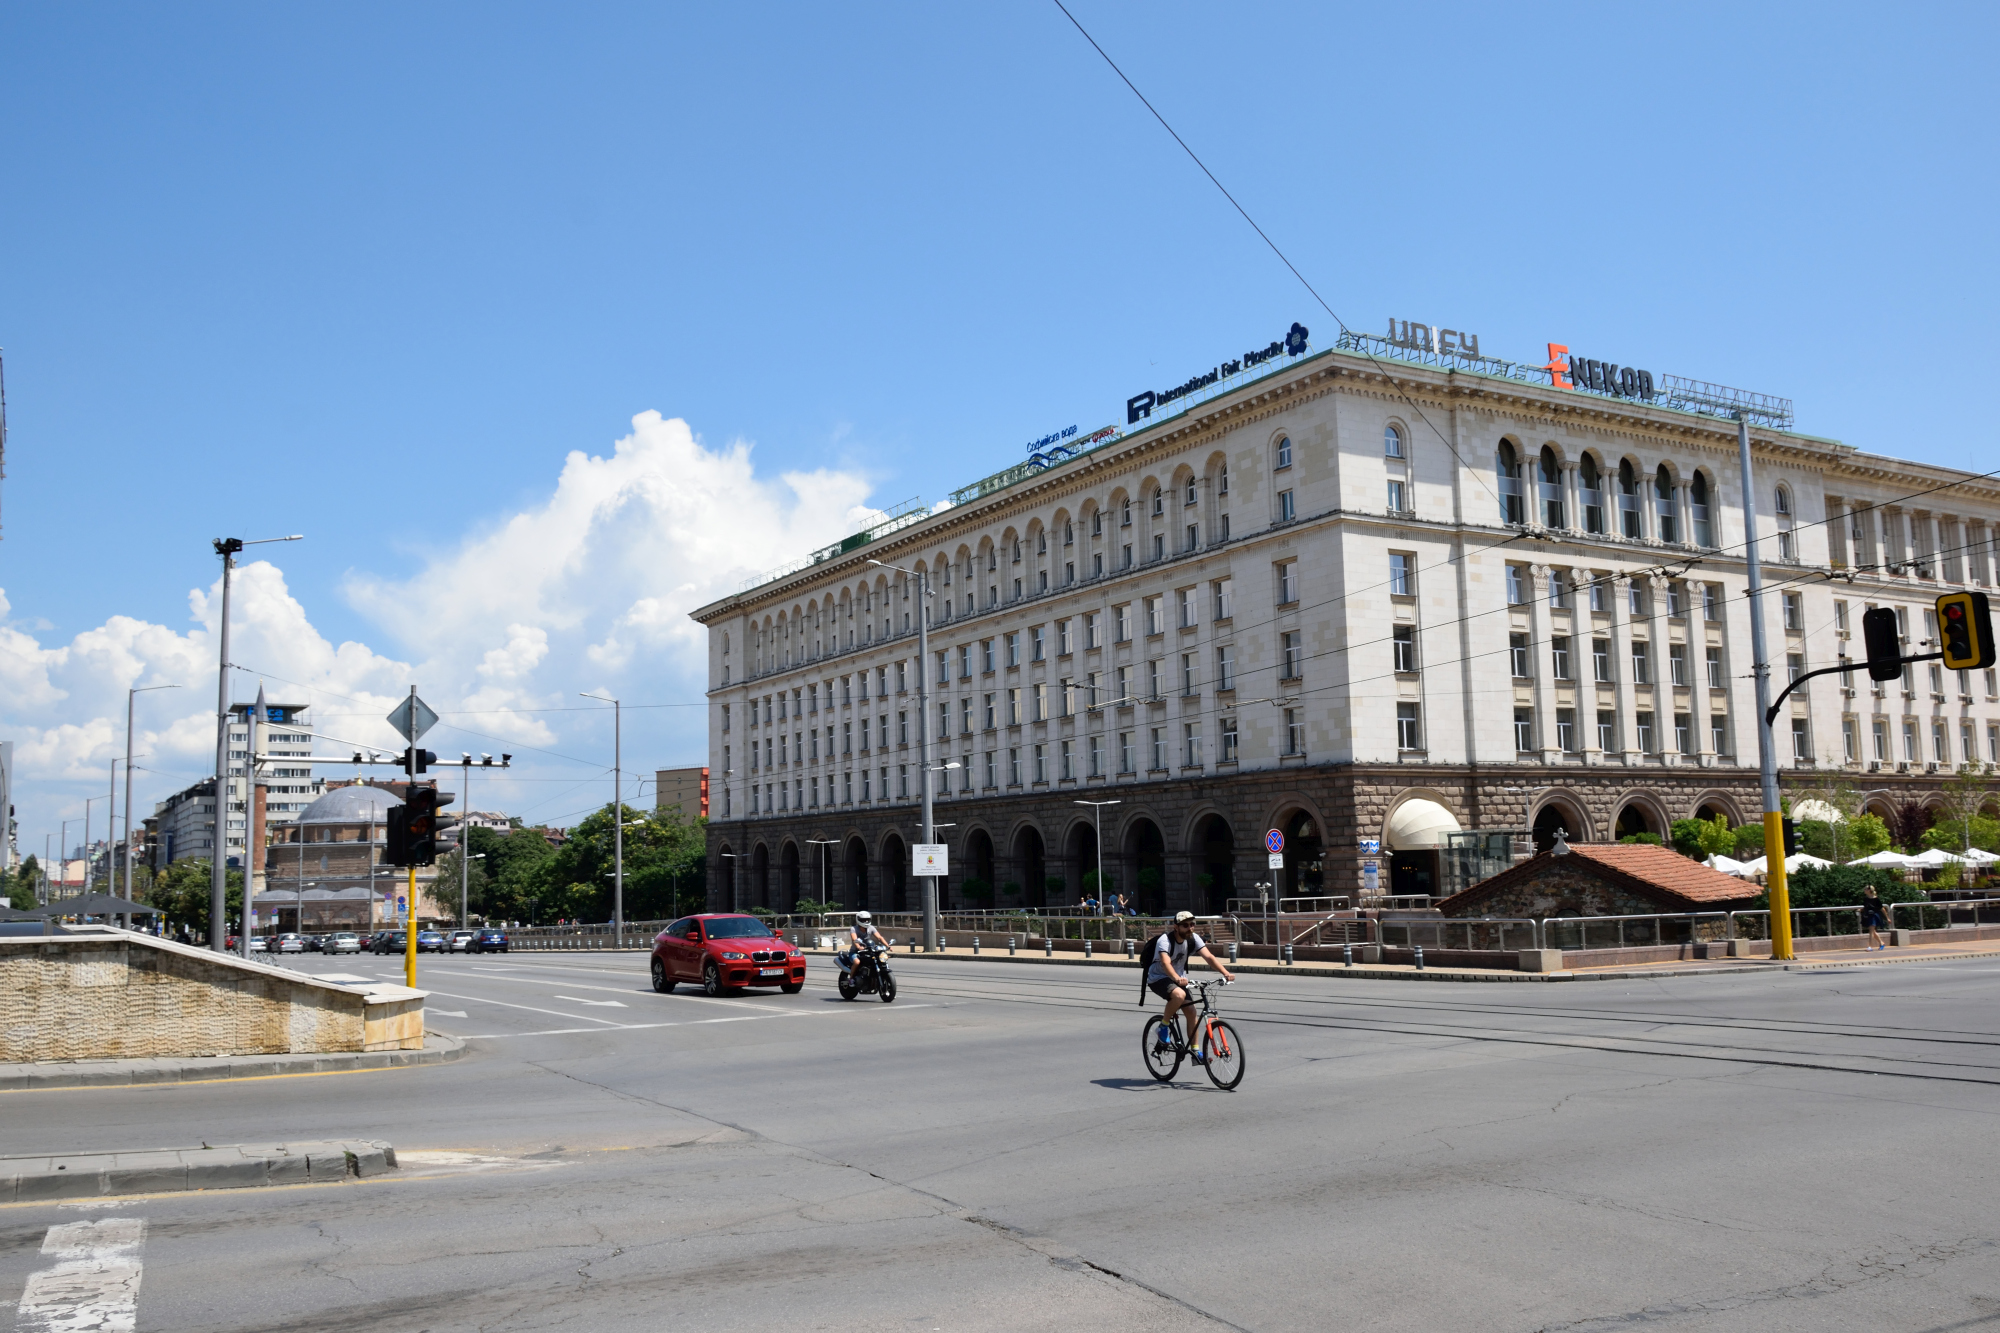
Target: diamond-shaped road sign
412,718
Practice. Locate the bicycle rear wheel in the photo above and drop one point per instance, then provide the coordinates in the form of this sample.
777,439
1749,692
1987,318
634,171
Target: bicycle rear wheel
1161,1063
1225,1055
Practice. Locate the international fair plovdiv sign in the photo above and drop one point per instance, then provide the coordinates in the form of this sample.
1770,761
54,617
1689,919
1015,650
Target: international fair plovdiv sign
1140,406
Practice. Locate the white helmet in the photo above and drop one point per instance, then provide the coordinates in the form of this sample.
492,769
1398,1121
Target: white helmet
862,918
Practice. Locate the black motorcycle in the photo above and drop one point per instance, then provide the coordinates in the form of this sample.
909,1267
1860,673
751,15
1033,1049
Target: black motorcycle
870,975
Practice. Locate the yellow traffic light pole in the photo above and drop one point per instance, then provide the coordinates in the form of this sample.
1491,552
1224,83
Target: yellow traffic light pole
410,934
1767,742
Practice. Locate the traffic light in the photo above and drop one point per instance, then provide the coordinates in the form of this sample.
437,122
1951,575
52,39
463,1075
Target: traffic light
1791,837
424,758
413,829
1885,645
1967,630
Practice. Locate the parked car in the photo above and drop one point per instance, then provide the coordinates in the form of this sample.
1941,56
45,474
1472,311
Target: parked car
390,941
343,941
289,942
460,941
722,951
490,941
430,941
260,944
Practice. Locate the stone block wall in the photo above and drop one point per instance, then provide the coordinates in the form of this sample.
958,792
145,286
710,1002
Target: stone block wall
120,995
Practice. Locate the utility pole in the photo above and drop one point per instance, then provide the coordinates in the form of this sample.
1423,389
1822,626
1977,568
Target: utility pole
617,815
1767,742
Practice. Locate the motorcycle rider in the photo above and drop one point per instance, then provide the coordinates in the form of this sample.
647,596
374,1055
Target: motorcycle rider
862,936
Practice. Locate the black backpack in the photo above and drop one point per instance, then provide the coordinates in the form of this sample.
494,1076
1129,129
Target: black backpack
1147,949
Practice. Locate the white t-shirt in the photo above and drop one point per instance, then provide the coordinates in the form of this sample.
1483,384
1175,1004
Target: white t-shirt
1179,949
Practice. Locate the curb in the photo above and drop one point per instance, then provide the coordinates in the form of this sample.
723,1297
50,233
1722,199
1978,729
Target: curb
166,1170
437,1049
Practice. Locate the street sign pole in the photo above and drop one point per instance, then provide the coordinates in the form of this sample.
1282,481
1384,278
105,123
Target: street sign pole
409,789
924,750
1777,890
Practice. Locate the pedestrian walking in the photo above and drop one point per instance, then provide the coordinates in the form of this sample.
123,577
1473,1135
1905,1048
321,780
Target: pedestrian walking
1873,918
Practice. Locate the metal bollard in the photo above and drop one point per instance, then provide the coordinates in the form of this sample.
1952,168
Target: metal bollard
1288,955
1086,948
1131,948
975,944
1048,947
1232,951
1420,958
913,944
1010,946
1347,955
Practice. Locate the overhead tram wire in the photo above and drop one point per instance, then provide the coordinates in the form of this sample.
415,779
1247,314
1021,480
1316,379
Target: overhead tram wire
1265,237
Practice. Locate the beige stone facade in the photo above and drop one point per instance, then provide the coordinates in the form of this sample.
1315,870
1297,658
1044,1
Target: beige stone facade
1316,599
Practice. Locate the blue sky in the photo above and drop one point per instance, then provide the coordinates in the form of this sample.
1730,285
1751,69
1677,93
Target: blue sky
373,273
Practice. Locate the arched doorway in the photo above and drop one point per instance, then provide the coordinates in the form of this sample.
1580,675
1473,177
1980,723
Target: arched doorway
1559,815
896,875
1415,831
1215,862
788,877
854,886
1081,854
975,886
760,876
1146,854
1030,861
1634,819
1305,866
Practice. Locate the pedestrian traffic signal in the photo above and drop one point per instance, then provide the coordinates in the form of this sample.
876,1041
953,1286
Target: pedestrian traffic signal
1885,645
413,828
424,759
1967,630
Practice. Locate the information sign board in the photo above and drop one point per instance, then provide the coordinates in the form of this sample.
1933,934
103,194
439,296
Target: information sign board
930,860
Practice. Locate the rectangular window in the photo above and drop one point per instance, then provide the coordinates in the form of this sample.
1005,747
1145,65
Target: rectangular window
1599,597
1600,661
1715,668
1850,740
965,716
1718,733
1097,756
1524,729
1940,749
1287,509
1224,599
1683,733
1676,599
1607,730
992,769
1062,638
1840,616
1403,647
1014,707
725,719
1014,649
1295,731
1036,643
1041,764
1636,600
1519,664
1190,676
902,728
987,712
1644,724
1558,590
1642,667
1191,736
1091,636
1155,669
1677,662
1910,755
1159,739
1128,753
1156,615
986,656
1121,685
1014,766
1225,667
1566,730
1288,583
1190,609
1795,610
1711,601
1795,666
1040,707
1068,754
1409,728
1992,744
1228,740
1193,536
965,661
1396,505
1068,697
1517,585
1801,739
1559,657
1400,563
1121,623
1294,655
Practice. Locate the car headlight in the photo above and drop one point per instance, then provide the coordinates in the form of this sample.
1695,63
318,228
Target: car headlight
738,957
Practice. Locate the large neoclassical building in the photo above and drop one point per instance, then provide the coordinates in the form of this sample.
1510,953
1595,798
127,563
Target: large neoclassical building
1373,594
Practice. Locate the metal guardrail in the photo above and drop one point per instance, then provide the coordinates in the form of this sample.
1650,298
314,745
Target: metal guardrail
1639,930
1946,915
1478,933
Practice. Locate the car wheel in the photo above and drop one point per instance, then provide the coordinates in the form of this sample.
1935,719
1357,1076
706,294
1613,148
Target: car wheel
711,978
661,981
792,987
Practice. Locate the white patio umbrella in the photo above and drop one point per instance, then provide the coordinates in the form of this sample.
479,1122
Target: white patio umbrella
1891,860
1979,856
1793,864
1728,865
1936,857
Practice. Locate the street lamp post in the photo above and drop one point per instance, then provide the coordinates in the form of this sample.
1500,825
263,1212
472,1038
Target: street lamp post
923,736
1097,812
131,695
617,815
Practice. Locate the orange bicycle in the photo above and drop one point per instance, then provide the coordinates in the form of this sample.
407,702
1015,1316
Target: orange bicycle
1217,1048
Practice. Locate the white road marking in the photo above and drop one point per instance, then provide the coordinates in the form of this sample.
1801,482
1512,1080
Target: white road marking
447,1013
481,999
95,1284
601,1004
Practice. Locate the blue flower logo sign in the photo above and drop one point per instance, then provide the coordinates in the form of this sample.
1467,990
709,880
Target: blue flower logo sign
1295,341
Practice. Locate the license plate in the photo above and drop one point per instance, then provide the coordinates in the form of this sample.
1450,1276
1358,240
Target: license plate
770,971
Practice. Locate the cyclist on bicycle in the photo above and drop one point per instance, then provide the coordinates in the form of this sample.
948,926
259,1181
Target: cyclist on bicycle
1166,974
860,937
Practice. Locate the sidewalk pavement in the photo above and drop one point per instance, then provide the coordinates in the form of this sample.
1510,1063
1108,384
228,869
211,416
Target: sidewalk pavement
161,1170
116,1073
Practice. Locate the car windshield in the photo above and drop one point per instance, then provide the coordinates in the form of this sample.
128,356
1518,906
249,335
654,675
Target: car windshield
736,928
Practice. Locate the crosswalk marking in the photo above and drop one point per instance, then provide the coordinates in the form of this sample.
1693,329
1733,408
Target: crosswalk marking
94,1286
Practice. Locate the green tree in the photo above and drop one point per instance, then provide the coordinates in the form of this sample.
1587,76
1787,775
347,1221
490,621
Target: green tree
664,868
1954,834
1686,835
1966,794
1749,841
1651,839
23,885
1867,835
181,894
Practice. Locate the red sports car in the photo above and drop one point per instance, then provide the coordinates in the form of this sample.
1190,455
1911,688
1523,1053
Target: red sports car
722,951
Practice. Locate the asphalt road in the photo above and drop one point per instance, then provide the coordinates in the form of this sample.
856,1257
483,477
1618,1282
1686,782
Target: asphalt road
1773,1152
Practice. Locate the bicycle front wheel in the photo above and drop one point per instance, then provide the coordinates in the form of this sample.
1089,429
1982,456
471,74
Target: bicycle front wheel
1162,1062
1225,1055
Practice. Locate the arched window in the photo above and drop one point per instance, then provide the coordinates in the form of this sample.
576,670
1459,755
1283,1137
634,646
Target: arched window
1704,527
1784,502
1591,483
1283,452
1552,490
1628,500
1392,442
1663,502
1507,465
1787,543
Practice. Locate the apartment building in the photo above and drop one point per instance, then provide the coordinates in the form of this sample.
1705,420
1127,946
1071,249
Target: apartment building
1370,597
